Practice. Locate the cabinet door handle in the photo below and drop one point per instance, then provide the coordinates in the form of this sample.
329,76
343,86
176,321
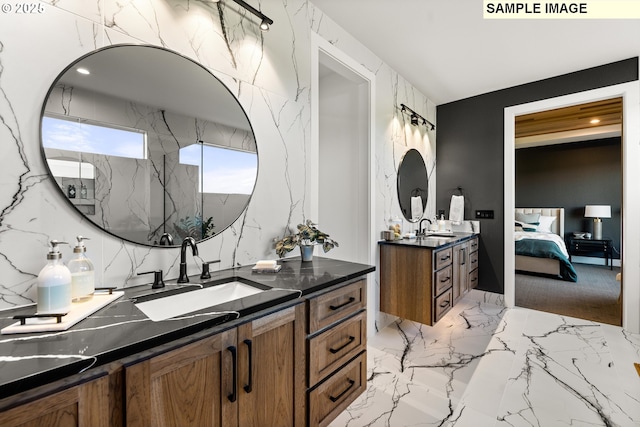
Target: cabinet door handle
335,350
234,360
337,307
444,304
464,256
336,398
249,387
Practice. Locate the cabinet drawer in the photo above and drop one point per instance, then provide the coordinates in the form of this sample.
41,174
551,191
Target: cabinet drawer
335,346
333,306
473,261
473,279
442,280
442,304
335,394
473,245
442,258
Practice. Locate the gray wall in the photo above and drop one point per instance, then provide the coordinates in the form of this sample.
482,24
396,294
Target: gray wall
471,149
572,176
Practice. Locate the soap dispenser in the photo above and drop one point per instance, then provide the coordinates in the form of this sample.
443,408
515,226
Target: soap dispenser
82,273
54,284
442,224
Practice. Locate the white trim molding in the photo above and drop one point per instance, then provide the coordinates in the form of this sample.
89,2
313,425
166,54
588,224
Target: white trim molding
630,242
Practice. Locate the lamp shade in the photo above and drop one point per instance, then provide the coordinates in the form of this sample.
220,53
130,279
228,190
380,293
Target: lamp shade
597,211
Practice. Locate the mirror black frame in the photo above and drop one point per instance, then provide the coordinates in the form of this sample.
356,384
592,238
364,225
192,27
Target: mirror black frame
182,57
412,181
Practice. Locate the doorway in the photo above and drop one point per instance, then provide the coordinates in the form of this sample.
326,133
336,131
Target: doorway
341,157
630,201
568,158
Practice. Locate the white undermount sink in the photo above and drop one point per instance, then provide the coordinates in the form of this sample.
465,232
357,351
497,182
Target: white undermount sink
166,307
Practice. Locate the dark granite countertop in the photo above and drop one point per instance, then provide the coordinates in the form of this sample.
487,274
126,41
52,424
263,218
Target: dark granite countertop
120,329
431,242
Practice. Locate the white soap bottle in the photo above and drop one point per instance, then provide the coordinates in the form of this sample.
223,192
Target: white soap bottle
54,284
442,225
82,273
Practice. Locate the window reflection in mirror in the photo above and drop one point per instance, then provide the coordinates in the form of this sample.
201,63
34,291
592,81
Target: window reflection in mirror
87,137
226,177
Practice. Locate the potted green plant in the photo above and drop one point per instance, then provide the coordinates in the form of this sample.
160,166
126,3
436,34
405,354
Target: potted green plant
307,237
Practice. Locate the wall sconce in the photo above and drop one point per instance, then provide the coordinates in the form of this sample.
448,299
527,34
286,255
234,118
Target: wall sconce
265,20
415,117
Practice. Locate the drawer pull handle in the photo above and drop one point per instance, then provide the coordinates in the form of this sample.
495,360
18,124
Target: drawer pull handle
336,398
234,359
444,304
446,279
249,387
335,350
444,258
338,307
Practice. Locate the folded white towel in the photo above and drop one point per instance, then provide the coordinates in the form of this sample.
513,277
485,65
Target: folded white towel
266,263
416,208
456,209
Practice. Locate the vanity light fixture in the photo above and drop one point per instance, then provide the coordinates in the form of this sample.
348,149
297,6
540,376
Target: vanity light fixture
415,116
266,21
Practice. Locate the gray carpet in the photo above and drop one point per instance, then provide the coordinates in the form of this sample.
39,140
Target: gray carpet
594,297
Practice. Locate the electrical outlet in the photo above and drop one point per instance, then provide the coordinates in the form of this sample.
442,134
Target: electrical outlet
484,214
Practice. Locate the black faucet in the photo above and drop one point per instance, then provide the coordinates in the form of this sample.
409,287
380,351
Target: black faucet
188,241
420,225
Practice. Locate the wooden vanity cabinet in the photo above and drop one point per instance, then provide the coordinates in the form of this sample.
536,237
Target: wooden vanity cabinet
406,287
473,263
85,404
422,284
460,270
246,376
416,283
337,361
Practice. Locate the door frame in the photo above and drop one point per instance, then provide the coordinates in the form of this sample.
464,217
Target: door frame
320,45
630,239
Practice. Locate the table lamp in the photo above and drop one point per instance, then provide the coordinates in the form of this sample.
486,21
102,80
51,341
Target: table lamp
597,212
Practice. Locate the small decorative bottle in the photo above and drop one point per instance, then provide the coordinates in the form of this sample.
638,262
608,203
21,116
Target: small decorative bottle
83,191
71,191
82,273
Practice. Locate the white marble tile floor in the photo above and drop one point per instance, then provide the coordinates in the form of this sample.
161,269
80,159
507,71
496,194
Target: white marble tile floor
486,365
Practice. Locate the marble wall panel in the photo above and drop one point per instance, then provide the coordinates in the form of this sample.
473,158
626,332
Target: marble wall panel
268,72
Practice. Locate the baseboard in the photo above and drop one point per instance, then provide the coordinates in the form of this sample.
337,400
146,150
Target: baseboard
593,260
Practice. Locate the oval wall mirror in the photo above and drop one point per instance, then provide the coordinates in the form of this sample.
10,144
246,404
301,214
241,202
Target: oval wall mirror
148,145
413,185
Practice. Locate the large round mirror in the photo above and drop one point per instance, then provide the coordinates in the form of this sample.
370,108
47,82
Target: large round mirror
413,185
148,145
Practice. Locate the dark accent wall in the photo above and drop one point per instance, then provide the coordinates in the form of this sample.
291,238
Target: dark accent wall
470,151
572,176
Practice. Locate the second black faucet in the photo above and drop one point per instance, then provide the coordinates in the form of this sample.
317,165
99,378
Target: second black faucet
188,241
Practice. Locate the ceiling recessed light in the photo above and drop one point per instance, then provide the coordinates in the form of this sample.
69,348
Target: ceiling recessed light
83,71
595,121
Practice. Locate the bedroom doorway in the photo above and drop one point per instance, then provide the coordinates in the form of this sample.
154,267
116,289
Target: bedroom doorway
568,158
630,253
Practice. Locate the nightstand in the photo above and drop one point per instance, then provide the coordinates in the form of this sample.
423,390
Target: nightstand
591,247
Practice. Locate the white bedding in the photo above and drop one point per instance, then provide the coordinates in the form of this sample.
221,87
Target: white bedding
519,235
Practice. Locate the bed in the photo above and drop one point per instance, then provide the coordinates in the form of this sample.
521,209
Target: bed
540,248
